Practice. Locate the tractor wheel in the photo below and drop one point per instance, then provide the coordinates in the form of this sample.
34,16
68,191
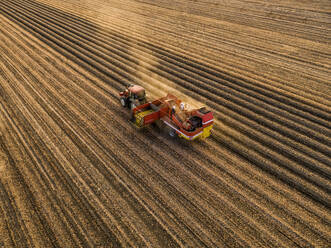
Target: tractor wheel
132,106
132,117
123,102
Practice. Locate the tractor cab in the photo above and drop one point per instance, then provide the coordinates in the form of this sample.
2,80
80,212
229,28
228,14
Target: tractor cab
137,92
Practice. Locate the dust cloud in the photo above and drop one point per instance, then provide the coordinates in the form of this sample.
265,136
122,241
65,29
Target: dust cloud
156,85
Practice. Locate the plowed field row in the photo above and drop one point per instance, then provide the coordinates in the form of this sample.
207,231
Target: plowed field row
251,17
245,66
79,174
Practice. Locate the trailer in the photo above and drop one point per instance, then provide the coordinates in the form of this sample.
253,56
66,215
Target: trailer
172,114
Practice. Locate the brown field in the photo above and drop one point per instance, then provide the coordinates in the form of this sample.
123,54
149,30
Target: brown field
75,173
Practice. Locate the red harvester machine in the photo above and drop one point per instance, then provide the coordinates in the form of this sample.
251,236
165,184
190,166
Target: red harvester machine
168,112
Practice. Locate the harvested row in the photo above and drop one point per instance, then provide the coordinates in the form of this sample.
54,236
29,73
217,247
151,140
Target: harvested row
213,40
192,37
216,35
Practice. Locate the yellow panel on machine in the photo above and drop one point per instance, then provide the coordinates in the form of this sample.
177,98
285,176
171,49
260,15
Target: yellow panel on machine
139,117
202,135
206,132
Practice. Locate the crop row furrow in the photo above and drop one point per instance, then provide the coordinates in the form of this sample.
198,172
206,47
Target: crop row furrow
246,57
214,40
39,217
216,32
11,216
269,192
262,22
270,164
213,49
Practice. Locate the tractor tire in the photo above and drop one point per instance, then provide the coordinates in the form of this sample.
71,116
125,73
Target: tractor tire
132,117
132,106
123,102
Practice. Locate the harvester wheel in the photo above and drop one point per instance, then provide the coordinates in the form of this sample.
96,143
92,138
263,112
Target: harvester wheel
172,132
123,102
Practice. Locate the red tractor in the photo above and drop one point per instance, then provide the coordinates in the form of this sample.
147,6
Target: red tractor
171,113
133,96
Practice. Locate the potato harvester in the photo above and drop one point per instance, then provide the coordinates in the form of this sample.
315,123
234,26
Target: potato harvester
167,112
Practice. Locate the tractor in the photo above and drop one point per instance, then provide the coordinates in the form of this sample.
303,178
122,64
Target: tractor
133,96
